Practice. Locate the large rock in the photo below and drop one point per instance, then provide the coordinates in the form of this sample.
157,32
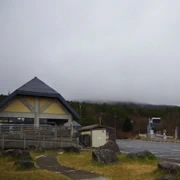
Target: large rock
74,149
143,154
167,178
25,164
8,152
169,167
111,145
104,156
17,153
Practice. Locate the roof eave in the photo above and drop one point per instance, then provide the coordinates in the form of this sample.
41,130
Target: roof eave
29,93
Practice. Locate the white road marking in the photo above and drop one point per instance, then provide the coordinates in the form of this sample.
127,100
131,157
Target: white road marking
175,150
166,155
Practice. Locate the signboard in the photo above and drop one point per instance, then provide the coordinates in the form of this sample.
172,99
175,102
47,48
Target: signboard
156,120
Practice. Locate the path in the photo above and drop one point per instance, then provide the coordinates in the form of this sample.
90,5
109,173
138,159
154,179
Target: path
49,162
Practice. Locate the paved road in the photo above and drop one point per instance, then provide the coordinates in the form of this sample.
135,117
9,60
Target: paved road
159,149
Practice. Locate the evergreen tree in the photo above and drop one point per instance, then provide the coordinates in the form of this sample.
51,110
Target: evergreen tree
127,125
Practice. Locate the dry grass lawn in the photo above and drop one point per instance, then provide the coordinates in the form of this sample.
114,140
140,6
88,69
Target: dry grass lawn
126,169
9,172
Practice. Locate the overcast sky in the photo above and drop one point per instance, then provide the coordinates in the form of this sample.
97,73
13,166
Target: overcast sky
93,50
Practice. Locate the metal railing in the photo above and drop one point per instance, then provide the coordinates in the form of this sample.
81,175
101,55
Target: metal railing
25,136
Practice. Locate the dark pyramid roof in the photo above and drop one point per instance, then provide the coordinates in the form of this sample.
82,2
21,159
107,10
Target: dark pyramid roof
36,87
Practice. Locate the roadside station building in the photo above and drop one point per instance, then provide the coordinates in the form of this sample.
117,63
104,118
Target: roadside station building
38,104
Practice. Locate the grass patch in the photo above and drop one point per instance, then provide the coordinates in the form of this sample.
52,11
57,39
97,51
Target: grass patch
147,160
125,169
8,171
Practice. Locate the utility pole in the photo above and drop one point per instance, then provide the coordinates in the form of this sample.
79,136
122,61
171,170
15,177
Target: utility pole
115,124
100,118
80,109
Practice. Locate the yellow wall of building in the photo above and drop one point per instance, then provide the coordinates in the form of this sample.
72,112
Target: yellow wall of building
16,106
30,100
54,108
43,101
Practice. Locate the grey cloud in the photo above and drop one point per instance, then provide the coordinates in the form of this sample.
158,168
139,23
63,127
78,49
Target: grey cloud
96,50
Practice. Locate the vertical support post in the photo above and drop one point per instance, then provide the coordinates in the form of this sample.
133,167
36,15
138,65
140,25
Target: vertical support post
24,142
36,112
3,141
77,141
71,125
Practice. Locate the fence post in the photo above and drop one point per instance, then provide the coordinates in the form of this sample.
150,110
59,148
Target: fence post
3,141
176,133
55,133
77,141
21,132
24,144
43,141
61,142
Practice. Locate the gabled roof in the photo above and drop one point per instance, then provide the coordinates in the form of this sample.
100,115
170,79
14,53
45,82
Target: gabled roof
94,126
36,87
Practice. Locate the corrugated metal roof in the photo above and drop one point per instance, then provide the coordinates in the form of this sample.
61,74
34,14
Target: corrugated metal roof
36,87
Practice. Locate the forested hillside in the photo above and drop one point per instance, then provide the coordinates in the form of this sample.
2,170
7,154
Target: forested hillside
121,115
126,116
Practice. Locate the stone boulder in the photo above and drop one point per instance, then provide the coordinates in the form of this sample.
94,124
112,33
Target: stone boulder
169,167
73,149
104,156
143,154
8,152
24,164
17,153
167,178
111,145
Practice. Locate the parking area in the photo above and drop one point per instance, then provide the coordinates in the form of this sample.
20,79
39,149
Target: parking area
164,150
